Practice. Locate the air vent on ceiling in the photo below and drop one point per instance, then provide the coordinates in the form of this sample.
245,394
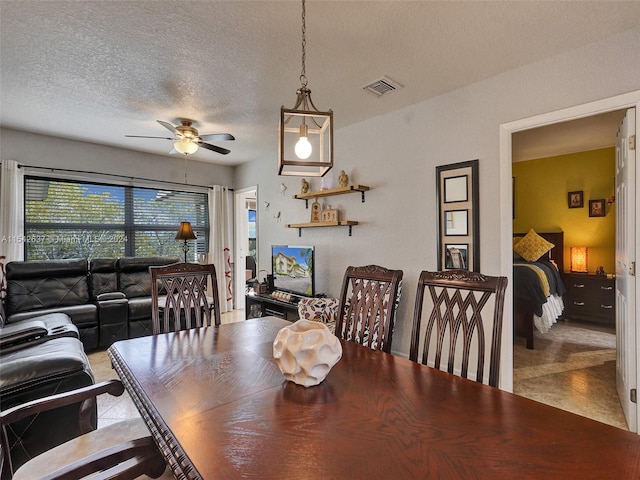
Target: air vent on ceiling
381,86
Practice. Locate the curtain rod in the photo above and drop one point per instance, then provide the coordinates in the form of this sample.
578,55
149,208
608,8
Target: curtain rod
126,177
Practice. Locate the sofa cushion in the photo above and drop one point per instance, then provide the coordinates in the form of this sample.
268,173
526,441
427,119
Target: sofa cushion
81,315
134,279
47,284
103,277
139,308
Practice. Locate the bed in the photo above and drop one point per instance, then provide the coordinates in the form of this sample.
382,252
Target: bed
538,289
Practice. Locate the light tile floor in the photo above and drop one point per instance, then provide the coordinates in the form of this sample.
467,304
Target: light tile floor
114,409
573,367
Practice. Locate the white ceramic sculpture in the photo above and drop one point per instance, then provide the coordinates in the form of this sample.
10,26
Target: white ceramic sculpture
305,352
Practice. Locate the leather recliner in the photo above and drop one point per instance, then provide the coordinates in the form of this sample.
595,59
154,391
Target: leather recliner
36,288
134,281
33,371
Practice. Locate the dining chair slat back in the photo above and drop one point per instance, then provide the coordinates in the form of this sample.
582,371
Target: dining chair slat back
456,330
183,296
368,303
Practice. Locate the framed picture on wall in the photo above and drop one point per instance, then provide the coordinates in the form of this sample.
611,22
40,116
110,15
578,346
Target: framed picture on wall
575,199
597,208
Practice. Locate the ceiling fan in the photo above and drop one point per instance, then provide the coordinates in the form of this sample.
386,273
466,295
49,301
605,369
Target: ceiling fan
186,139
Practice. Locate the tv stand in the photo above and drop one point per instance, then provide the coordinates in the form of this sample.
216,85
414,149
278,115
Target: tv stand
271,306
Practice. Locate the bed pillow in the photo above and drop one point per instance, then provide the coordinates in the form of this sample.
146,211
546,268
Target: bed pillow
532,246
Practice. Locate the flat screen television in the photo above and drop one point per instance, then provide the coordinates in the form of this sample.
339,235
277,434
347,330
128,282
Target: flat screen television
293,269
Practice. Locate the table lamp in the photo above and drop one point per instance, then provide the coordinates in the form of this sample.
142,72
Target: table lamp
185,232
579,257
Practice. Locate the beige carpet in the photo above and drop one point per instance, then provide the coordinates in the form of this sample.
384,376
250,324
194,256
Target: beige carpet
573,367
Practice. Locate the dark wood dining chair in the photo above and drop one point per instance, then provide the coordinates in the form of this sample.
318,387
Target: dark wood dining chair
465,308
183,296
368,302
122,450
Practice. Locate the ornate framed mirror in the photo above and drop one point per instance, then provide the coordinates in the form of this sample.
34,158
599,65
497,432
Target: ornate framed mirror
458,214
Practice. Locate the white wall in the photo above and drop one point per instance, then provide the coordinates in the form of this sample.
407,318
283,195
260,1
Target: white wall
396,155
45,151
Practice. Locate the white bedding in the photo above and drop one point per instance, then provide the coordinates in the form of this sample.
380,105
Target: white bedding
551,310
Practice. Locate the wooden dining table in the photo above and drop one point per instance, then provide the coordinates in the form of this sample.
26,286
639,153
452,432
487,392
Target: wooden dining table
219,408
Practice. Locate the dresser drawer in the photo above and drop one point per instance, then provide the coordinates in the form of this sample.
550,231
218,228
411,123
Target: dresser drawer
590,297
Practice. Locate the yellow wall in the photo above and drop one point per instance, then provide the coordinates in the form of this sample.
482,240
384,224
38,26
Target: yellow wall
541,188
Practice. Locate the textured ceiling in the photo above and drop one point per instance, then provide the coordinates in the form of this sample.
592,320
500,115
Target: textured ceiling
98,70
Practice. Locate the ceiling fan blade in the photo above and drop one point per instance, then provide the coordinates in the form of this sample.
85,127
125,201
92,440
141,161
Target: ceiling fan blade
214,148
144,136
218,136
168,126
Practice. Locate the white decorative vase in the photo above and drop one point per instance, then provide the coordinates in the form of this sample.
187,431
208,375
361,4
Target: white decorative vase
305,352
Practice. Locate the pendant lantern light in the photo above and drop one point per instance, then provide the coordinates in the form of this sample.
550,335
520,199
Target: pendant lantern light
305,134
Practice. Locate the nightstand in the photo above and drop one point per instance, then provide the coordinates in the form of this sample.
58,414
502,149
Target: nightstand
590,297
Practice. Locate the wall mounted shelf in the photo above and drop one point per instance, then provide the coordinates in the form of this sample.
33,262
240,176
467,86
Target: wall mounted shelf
328,193
332,191
340,223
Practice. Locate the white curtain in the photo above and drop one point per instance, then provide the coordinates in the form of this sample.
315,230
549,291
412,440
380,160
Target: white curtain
220,243
11,216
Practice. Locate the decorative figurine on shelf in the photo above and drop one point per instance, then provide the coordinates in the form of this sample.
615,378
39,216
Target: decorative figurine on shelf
325,183
329,214
343,179
304,186
600,270
316,212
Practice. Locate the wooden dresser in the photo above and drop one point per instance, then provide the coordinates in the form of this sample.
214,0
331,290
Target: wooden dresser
590,298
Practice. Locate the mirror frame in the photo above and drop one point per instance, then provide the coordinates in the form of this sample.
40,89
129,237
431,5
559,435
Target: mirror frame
454,194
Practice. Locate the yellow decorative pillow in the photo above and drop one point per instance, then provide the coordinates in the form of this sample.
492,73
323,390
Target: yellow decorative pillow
532,246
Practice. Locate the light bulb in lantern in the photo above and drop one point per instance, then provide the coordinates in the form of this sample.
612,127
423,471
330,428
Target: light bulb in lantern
303,147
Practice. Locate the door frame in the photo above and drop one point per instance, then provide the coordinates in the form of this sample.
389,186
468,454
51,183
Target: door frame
241,236
627,100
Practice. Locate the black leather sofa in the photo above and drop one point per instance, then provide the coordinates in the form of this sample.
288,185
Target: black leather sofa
41,357
54,286
122,290
106,299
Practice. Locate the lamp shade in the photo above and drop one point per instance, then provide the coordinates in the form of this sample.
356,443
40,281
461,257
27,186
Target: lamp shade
579,257
185,232
185,146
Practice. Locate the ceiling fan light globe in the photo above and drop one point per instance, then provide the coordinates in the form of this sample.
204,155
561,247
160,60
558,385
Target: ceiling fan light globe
303,148
186,146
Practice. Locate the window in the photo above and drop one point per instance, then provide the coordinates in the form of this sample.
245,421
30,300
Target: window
252,233
70,219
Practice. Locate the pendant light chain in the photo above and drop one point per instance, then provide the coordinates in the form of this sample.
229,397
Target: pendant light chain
303,75
185,169
305,134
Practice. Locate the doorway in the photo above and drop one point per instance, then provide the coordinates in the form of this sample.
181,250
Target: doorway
573,364
246,240
506,158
